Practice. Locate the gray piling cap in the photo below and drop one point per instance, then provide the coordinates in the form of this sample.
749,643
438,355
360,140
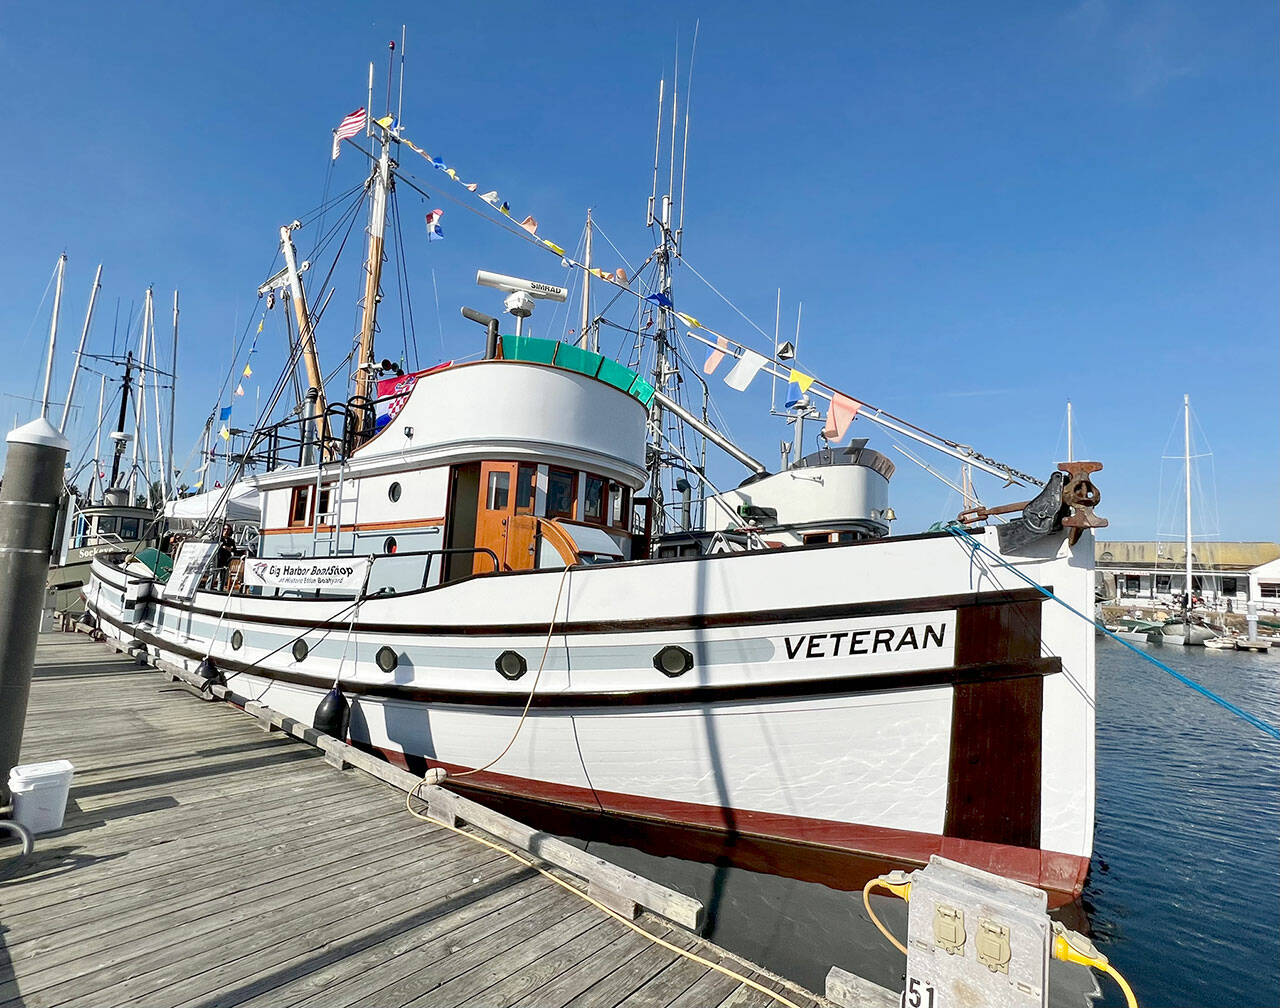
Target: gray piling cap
39,432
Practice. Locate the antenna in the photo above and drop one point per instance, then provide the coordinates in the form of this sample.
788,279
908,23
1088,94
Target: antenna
391,62
675,104
657,148
368,106
777,318
400,104
684,160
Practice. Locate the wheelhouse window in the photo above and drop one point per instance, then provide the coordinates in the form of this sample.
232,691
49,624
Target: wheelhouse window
498,492
108,525
525,487
128,528
594,500
619,506
561,501
298,504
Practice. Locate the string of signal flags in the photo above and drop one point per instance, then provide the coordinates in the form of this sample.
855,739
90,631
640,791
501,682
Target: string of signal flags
842,409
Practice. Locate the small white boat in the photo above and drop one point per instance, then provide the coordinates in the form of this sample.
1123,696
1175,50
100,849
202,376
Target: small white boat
1221,643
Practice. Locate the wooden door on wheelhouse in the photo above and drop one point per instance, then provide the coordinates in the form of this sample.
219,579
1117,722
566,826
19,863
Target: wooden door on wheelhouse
508,489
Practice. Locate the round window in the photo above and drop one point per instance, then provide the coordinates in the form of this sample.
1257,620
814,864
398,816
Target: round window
237,640
299,649
393,492
389,545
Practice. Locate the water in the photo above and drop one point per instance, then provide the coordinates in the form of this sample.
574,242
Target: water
1184,889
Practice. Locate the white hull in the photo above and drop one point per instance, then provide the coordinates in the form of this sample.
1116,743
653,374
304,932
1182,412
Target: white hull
888,699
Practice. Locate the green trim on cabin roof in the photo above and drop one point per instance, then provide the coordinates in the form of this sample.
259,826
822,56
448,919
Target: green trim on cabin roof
572,358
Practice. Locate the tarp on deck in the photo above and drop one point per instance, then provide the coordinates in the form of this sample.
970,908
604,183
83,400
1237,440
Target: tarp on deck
240,505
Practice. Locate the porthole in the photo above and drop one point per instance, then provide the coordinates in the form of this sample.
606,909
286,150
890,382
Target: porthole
237,640
673,661
511,665
299,649
387,659
389,545
393,492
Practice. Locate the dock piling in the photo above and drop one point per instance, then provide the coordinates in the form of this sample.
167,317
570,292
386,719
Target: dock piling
29,494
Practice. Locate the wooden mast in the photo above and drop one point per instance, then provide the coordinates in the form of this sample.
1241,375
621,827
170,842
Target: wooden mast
365,382
307,341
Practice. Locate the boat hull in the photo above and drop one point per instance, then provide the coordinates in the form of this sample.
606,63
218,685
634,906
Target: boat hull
822,730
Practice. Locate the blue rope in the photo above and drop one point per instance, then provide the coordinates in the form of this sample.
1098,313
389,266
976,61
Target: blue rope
1264,726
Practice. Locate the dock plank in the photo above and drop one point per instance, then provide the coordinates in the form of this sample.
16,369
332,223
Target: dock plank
205,863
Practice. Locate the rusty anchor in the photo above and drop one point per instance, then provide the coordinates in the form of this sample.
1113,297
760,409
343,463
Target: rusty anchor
1079,494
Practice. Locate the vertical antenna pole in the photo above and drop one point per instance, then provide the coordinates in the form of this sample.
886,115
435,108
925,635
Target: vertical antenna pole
391,62
583,340
1186,437
684,159
53,334
368,108
84,334
173,400
675,104
139,406
657,150
773,387
400,103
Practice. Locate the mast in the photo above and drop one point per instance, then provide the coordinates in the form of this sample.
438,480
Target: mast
155,401
53,334
84,333
381,182
173,401
1070,451
583,340
306,339
140,410
1186,438
97,439
118,434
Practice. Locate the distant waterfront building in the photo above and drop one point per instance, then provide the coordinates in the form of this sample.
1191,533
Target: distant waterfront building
1221,572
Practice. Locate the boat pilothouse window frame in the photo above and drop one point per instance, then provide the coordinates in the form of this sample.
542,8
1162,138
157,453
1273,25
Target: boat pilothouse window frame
571,513
300,506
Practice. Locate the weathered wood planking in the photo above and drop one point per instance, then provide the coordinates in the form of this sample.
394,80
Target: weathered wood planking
206,863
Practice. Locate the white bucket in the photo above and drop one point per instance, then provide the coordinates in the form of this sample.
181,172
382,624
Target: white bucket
40,793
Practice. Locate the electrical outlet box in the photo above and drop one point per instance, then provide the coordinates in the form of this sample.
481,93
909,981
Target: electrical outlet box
975,940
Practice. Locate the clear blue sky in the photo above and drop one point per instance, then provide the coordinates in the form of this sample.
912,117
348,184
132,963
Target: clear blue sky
986,209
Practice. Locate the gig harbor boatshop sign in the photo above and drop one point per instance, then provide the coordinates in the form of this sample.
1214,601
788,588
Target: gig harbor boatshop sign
345,574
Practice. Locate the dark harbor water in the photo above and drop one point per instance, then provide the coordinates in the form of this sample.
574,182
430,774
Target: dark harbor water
1184,892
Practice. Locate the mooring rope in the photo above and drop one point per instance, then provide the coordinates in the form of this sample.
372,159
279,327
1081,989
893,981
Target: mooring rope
966,539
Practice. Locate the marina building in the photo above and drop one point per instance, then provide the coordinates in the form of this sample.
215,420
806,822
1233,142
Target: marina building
1222,573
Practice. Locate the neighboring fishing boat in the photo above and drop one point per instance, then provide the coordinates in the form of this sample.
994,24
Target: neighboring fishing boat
118,513
498,565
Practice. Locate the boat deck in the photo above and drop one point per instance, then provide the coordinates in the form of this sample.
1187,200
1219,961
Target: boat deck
205,862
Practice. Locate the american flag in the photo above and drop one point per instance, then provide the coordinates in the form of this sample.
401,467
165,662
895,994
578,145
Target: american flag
349,127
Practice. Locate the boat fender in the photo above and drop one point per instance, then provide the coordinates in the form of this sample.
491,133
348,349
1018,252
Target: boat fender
210,673
333,715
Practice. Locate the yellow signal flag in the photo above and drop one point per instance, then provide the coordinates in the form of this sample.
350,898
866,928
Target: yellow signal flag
803,380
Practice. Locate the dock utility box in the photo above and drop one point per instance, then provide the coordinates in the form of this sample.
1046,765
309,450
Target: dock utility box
40,793
975,939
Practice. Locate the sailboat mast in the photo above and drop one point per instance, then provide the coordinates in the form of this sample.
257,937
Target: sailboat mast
584,340
1186,438
97,440
84,334
381,182
53,334
173,400
1070,449
120,419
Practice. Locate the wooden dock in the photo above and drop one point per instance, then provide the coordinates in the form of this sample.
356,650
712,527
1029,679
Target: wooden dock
206,862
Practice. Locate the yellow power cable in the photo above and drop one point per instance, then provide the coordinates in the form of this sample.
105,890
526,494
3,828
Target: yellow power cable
899,888
693,956
1067,947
